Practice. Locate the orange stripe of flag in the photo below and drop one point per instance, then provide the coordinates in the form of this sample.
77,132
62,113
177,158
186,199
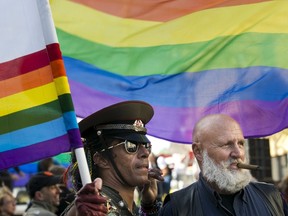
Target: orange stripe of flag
58,68
26,81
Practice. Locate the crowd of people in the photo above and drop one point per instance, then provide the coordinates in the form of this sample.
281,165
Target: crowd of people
117,152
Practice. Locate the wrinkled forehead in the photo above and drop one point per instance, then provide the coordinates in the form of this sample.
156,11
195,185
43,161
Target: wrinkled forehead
229,131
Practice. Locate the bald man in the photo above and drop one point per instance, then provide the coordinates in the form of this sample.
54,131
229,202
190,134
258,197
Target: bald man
223,188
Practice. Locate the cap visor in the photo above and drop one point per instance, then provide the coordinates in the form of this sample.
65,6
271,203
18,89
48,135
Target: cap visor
133,137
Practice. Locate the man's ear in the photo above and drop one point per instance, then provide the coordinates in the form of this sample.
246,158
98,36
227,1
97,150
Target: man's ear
38,195
100,161
197,151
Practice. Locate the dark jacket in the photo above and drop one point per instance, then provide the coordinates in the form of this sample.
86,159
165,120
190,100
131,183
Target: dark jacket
199,199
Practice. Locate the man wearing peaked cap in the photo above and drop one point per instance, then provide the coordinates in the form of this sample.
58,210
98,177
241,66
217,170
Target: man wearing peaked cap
124,120
44,193
117,151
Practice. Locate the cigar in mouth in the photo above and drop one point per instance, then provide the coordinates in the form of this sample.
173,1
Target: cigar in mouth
248,166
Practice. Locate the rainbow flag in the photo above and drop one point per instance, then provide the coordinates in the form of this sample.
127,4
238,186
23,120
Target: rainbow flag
187,58
37,117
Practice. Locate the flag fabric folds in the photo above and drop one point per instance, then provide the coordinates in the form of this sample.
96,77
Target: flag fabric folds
186,58
37,117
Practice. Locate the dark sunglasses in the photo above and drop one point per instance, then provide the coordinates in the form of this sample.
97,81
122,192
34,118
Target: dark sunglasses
130,147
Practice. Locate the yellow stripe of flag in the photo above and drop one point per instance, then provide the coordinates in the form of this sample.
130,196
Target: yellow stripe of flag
62,85
28,99
196,27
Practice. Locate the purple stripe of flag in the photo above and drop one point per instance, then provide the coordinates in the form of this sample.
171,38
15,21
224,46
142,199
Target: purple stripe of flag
178,127
35,152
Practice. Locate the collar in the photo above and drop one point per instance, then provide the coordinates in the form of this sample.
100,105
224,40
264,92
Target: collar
116,203
44,205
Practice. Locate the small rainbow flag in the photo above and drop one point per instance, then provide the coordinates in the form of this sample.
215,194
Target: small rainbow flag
187,58
37,118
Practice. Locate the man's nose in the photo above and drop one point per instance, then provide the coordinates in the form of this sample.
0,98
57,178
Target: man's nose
237,151
144,151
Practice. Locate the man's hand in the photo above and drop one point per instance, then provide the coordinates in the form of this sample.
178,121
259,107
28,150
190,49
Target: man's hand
149,190
89,201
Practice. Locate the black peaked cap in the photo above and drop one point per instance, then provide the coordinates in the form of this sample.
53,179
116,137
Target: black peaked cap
126,112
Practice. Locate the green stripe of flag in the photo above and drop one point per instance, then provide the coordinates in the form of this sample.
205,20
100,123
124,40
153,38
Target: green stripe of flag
36,115
66,103
208,55
33,116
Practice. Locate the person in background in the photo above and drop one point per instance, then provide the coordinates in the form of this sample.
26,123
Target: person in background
164,187
44,194
283,187
45,164
66,196
117,152
7,178
223,188
7,202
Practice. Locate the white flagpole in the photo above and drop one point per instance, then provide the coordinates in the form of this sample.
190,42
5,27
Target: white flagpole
50,36
82,166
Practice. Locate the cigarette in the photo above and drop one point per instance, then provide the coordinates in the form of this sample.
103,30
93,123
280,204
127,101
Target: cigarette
248,166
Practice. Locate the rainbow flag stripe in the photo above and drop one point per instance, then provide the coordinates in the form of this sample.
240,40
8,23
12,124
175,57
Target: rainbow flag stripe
37,117
186,58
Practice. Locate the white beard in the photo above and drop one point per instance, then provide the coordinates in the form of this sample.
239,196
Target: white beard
228,180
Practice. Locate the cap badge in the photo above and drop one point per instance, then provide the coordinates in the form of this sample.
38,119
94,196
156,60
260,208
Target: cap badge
138,124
